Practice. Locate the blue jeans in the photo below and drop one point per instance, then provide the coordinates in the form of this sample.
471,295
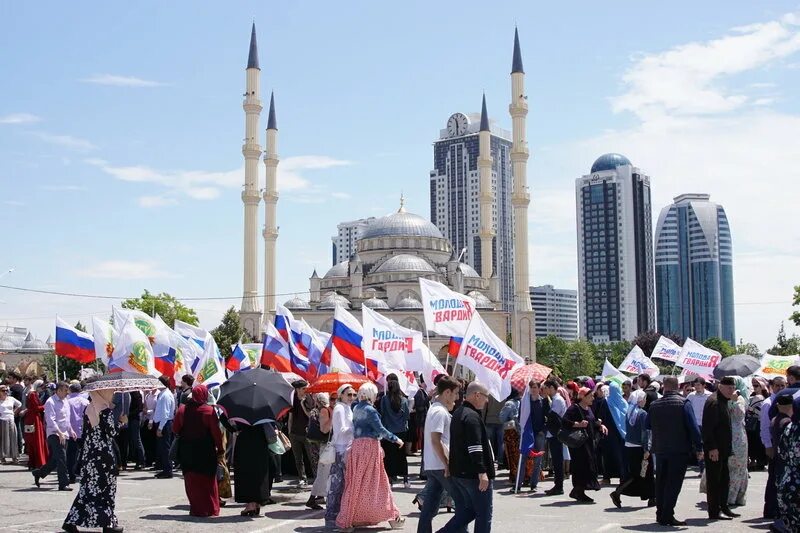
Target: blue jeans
434,487
495,434
163,444
538,445
471,504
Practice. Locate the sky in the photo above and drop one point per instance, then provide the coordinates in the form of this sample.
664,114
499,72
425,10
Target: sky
121,128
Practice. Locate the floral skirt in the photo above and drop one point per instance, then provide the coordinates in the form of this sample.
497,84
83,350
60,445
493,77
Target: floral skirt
511,450
367,498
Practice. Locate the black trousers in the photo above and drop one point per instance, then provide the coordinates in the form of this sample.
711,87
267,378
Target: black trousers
135,446
717,485
56,461
73,451
670,471
557,458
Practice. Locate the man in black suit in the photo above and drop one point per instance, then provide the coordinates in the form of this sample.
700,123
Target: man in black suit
717,445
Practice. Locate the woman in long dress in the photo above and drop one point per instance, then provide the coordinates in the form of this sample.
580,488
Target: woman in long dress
584,458
395,414
788,482
8,428
637,450
97,470
252,467
367,498
33,430
342,439
200,444
737,462
319,429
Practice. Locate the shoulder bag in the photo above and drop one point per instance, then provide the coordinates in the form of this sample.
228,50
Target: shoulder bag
573,437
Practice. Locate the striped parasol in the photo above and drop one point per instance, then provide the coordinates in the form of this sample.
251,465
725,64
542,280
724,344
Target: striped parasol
524,374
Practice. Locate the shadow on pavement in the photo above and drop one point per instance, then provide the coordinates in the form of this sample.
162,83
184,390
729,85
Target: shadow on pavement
198,519
294,515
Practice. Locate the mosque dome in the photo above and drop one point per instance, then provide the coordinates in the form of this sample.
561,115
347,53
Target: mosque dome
609,162
332,299
337,271
468,271
481,301
405,263
297,304
35,345
7,346
375,303
408,303
402,224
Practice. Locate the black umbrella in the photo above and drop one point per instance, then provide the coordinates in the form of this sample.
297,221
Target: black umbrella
737,365
255,396
122,382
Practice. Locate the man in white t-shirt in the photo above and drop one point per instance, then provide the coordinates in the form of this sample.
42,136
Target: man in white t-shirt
697,400
436,450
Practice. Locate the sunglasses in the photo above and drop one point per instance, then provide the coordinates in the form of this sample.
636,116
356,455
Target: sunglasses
351,394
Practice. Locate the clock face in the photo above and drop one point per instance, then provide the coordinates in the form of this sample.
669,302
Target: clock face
457,124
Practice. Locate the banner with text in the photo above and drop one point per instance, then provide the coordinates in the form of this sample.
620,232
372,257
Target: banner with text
666,350
446,312
638,363
489,357
698,359
776,365
388,342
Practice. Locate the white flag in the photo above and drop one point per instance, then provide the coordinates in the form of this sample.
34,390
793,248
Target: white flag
666,350
147,324
390,343
489,357
698,359
186,351
431,367
637,362
446,312
210,371
104,337
133,352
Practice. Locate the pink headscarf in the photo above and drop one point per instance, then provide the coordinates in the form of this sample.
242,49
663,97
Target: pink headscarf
564,394
200,394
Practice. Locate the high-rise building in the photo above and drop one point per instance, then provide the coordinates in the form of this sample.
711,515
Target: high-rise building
556,312
344,242
455,186
615,251
694,269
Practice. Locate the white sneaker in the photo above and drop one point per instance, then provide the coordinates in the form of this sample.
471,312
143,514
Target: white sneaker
397,523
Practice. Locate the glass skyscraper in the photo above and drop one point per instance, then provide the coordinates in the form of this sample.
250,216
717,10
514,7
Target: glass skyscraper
615,251
454,190
694,270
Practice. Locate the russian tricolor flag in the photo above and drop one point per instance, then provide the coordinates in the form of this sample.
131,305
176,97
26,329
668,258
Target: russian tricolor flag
73,343
166,363
454,346
275,352
348,335
239,360
283,321
300,364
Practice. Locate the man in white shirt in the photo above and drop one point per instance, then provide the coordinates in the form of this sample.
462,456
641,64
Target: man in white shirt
436,450
162,419
557,408
59,430
697,400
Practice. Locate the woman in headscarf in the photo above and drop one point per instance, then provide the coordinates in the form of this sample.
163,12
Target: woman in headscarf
752,423
253,469
200,444
737,462
395,413
637,450
610,407
33,428
584,458
342,439
566,394
98,465
367,499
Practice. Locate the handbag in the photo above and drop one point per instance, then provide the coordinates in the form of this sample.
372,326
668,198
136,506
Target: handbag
573,437
29,428
284,440
328,454
277,447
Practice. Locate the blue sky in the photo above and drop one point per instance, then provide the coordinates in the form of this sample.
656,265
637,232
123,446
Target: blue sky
121,130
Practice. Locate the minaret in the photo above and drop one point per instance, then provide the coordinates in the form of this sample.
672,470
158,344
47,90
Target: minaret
270,207
485,197
523,334
249,313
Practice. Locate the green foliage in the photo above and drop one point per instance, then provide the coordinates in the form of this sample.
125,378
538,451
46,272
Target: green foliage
569,359
648,340
163,304
748,348
229,332
80,327
795,317
722,346
785,345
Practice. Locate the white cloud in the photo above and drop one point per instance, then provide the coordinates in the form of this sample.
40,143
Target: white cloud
156,201
19,118
204,185
687,79
121,81
67,141
125,270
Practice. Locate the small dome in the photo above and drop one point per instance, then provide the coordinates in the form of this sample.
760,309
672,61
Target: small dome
481,301
337,271
332,299
405,263
409,303
7,346
50,341
375,303
609,162
35,345
468,271
402,224
297,303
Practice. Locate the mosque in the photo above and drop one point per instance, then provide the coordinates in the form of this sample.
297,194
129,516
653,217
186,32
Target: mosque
396,250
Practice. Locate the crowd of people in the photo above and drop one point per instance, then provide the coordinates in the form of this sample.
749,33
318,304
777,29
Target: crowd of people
352,446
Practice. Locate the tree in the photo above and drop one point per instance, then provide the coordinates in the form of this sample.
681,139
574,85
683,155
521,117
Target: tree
795,317
648,340
80,327
229,332
164,305
615,352
785,345
550,349
748,348
722,346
